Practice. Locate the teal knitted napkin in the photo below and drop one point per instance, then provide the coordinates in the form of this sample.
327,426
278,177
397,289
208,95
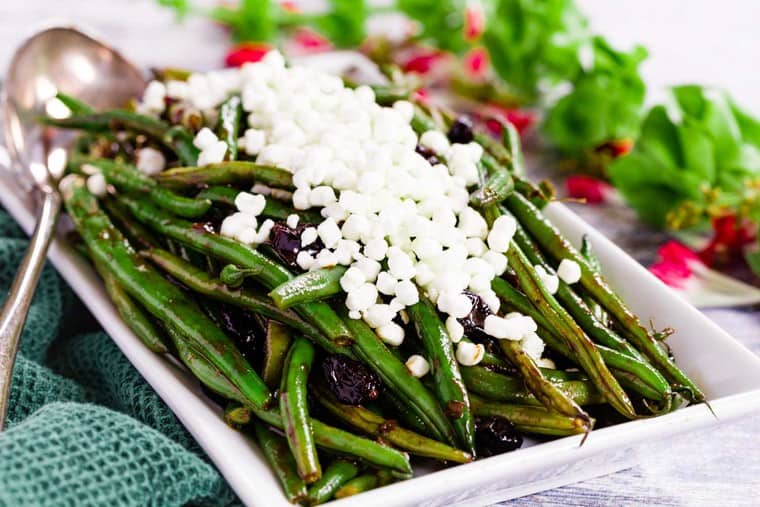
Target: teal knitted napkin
84,427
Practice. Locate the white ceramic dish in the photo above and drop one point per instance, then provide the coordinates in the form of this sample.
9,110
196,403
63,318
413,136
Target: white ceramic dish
726,370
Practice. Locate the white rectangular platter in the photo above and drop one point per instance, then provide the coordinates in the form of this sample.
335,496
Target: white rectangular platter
726,370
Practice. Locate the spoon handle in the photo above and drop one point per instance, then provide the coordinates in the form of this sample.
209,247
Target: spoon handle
16,306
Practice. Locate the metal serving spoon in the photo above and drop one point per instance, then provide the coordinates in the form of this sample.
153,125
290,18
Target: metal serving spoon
57,59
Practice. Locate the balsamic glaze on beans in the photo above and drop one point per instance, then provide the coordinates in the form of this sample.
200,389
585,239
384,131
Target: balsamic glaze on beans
350,381
474,322
286,243
496,435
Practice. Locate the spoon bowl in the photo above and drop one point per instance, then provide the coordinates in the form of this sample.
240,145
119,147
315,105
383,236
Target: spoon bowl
59,59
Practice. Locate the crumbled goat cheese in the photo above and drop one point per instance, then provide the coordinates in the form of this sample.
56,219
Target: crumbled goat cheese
569,271
550,280
470,354
150,161
402,226
417,365
96,184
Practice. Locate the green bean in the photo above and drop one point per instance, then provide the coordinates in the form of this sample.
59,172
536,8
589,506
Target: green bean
386,95
277,344
176,138
233,276
201,368
271,274
596,309
308,287
421,121
498,387
374,425
338,473
137,234
236,415
132,315
595,329
545,391
530,419
449,387
200,281
179,139
278,455
511,139
533,193
585,350
219,194
158,296
494,148
396,377
575,306
130,179
401,409
559,248
343,442
171,73
640,376
358,485
230,113
587,251
76,106
497,187
236,172
294,408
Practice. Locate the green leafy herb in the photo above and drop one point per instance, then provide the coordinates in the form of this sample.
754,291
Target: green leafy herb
441,22
605,103
533,42
695,155
344,23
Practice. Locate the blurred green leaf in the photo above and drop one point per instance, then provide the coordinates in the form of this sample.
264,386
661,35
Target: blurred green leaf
180,7
605,103
532,42
249,21
699,147
344,23
441,22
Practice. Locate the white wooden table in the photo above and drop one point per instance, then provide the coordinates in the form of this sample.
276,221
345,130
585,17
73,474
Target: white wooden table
689,41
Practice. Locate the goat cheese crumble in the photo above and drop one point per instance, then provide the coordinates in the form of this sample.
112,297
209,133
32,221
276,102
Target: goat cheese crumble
399,224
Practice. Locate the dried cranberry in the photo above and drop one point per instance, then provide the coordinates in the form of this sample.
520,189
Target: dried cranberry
428,154
286,242
475,321
461,130
240,325
349,380
496,435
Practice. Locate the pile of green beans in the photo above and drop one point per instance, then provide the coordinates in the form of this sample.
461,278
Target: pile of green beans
170,274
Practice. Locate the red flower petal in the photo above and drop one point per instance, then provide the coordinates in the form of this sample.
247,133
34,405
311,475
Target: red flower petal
474,21
673,264
673,275
309,41
674,252
289,6
246,52
593,190
476,62
729,238
421,95
423,61
522,119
